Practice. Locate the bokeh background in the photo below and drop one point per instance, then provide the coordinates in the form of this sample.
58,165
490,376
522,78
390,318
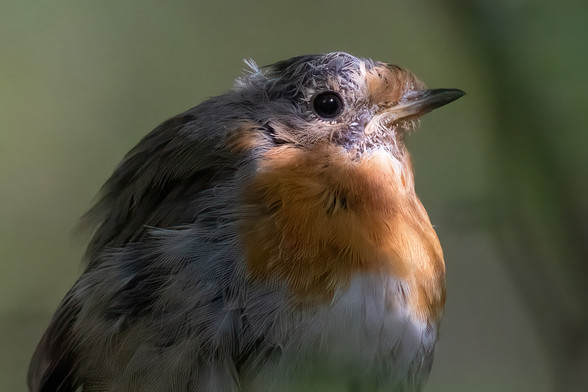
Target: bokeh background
503,172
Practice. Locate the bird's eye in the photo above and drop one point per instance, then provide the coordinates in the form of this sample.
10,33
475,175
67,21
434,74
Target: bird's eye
328,104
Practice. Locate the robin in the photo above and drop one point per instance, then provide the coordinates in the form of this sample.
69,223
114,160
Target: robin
268,239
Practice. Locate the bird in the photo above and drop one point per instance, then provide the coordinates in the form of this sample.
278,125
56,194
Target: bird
268,239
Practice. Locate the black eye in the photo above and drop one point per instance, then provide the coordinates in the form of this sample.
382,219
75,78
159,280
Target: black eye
328,104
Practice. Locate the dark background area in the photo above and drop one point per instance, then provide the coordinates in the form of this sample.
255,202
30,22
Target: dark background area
503,172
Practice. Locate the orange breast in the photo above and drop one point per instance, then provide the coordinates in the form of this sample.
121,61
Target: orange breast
320,216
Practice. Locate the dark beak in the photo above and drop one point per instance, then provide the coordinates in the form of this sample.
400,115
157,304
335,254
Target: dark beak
419,102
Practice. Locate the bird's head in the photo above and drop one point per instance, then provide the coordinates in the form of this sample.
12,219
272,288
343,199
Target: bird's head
357,104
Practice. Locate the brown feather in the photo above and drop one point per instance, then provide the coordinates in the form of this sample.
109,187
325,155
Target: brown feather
321,217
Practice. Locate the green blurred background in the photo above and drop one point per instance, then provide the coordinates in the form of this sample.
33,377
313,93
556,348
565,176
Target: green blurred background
502,172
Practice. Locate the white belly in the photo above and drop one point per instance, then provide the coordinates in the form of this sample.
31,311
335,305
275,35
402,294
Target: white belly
365,339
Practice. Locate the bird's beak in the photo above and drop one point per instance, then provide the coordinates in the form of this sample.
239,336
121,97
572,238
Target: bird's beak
418,102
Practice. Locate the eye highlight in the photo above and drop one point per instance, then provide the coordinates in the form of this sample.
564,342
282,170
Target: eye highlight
328,104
